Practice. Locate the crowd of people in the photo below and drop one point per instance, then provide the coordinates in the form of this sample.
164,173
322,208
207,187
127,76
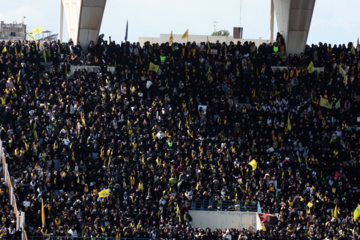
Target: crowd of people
158,139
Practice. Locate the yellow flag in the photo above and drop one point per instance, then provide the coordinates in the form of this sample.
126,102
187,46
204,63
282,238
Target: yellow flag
37,30
83,122
153,67
335,212
253,164
104,193
18,80
35,134
208,45
171,38
310,204
357,213
186,34
178,211
353,49
118,236
264,228
42,213
311,67
289,123
31,36
44,56
4,50
337,105
177,208
325,103
342,71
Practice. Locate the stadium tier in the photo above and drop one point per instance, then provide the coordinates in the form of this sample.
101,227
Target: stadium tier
157,131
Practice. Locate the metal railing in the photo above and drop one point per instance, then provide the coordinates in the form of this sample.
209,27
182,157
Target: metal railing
225,205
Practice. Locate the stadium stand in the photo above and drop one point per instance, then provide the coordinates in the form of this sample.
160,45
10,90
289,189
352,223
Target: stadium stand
125,153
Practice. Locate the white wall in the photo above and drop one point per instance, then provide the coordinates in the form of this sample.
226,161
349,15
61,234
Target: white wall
197,38
225,219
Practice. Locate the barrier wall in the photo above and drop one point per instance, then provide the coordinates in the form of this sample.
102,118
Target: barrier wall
198,39
88,68
274,68
20,217
225,219
72,68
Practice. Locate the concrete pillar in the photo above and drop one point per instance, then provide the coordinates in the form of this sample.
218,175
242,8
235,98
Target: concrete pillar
22,223
61,20
83,19
293,18
272,21
11,194
18,219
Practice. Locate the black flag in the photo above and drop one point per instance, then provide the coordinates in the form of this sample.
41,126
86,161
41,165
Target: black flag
126,32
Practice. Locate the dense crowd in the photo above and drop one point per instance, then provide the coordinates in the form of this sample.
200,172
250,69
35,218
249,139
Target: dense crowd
159,139
8,218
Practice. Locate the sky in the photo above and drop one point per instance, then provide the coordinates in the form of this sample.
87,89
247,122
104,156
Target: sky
333,21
